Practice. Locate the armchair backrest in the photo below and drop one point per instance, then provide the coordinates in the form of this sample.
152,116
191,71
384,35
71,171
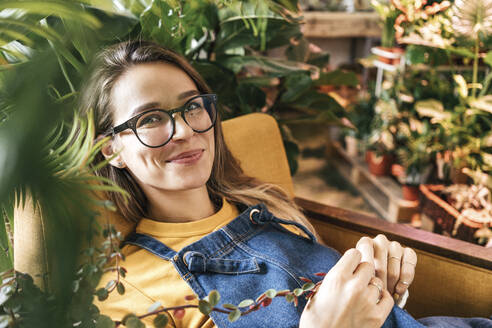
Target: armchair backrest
254,139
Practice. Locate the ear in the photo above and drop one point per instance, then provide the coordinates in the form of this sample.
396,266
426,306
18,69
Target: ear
108,151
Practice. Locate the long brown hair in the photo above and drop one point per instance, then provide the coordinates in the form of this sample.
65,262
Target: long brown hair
227,178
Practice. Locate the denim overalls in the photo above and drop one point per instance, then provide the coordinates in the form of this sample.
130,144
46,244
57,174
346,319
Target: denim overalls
248,256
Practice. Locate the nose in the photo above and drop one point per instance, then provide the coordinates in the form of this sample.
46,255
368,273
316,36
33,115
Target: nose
182,130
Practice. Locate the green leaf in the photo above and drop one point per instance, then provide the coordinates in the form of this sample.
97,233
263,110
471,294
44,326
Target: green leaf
120,288
289,298
134,322
5,293
154,307
296,84
104,321
308,286
128,317
337,78
229,306
415,54
110,284
251,97
204,307
271,293
246,302
160,321
4,321
298,291
488,58
234,315
213,298
102,294
461,85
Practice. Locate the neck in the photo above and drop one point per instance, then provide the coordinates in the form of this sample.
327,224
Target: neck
180,205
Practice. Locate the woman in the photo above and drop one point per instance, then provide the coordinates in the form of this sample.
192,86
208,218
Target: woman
204,225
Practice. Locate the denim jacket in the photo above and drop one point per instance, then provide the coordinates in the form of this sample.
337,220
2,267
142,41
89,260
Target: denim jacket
248,256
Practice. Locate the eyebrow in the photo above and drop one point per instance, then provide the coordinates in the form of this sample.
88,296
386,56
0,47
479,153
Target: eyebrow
153,104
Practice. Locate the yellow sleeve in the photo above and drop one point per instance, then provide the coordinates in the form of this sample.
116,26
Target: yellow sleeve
116,306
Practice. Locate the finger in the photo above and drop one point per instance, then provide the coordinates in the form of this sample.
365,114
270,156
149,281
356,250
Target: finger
385,304
395,254
348,262
366,248
409,260
381,245
376,286
364,272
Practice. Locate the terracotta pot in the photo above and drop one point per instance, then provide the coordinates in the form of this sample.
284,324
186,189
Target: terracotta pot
457,176
410,192
379,165
397,170
389,56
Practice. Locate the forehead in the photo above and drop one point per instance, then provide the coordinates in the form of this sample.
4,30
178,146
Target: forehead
157,82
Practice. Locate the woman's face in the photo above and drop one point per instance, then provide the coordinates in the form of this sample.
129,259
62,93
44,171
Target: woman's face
185,162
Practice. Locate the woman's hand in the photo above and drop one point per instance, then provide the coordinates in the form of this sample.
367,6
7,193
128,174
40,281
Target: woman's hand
394,264
350,296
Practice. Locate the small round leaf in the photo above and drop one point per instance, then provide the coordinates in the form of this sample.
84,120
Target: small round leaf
229,306
247,302
308,286
213,298
102,294
271,293
160,321
234,315
154,307
298,291
103,321
204,307
120,288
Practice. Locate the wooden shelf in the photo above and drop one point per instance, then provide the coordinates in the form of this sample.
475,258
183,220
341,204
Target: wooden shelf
319,24
382,193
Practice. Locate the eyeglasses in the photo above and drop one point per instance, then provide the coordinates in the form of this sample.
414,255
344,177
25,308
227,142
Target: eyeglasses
155,128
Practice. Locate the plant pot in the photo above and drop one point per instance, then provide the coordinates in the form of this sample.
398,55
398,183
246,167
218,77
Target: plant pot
448,220
397,170
390,56
457,176
410,192
352,146
379,165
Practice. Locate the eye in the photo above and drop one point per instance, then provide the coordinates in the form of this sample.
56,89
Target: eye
193,106
150,120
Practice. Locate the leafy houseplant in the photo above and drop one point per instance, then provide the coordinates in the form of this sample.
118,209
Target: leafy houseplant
381,140
415,154
388,13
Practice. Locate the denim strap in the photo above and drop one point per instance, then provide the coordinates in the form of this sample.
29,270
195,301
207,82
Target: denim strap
261,215
151,244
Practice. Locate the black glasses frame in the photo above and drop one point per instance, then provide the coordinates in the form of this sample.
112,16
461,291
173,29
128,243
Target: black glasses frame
132,122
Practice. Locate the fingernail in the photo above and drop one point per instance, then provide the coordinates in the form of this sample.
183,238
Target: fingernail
396,297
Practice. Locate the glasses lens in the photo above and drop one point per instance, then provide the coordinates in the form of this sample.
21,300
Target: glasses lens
200,113
154,128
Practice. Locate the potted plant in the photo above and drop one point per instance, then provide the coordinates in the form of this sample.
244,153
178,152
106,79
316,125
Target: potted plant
381,140
414,155
388,13
360,114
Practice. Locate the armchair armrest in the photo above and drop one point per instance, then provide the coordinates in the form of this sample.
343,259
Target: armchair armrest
452,277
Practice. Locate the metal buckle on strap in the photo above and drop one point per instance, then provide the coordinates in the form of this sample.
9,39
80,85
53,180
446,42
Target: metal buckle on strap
253,211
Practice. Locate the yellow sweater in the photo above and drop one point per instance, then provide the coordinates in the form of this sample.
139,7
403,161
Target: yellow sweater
150,279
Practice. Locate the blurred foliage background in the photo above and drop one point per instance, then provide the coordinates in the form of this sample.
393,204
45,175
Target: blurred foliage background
46,149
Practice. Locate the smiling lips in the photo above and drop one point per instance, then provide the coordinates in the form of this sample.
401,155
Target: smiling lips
188,157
